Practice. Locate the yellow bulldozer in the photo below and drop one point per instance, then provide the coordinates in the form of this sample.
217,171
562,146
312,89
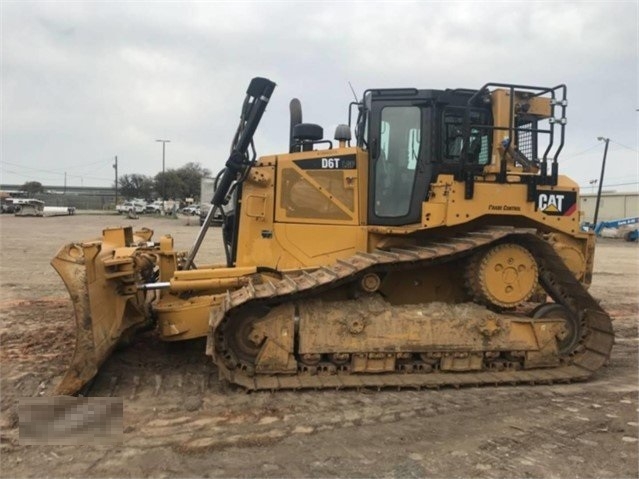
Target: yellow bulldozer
432,243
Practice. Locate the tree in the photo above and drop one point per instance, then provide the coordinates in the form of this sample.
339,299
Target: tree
32,187
136,186
191,175
181,183
169,185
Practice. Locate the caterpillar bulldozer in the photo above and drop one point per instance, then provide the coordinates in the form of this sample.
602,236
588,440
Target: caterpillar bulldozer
432,243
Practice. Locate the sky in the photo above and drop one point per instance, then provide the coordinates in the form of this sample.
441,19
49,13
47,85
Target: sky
84,82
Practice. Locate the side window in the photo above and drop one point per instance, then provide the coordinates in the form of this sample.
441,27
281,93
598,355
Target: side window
399,147
453,137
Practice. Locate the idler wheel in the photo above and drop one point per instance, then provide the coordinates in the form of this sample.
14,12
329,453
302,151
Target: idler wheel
239,334
572,332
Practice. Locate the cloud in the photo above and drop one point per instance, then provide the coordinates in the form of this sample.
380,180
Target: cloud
82,82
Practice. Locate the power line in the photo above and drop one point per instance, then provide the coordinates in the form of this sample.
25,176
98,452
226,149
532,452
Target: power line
566,158
30,168
55,172
51,172
627,147
39,170
609,185
82,165
570,157
27,176
622,177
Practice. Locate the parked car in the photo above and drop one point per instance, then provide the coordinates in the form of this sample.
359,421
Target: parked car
131,207
155,208
191,211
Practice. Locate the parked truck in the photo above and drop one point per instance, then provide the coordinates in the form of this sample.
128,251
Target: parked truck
623,226
207,190
133,206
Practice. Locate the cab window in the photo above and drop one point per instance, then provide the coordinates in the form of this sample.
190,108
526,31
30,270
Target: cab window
453,137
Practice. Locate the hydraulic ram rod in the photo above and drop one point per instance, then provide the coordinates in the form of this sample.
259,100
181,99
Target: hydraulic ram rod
260,90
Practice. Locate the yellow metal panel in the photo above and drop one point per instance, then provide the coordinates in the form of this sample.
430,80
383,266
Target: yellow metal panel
255,205
501,116
180,319
370,324
362,183
166,244
118,236
434,210
271,236
255,245
314,245
323,195
258,250
499,199
539,106
302,196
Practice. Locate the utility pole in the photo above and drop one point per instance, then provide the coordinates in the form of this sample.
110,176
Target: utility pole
65,182
164,142
115,165
603,168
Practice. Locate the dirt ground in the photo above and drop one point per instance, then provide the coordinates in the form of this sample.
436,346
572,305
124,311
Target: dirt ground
180,421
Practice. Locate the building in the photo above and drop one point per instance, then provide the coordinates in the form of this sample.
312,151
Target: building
613,206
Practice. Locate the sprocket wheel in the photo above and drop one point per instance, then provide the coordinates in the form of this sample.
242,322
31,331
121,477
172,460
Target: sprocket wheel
505,275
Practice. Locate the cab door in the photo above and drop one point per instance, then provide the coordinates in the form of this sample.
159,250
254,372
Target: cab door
398,181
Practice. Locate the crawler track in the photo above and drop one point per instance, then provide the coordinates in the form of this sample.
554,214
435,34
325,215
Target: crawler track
591,352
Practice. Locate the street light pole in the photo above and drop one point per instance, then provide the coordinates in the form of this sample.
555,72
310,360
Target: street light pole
603,168
116,180
164,142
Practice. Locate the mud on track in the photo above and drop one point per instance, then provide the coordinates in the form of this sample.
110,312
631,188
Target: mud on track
180,421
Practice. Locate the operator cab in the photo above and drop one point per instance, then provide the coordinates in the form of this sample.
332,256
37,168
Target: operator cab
415,135
412,136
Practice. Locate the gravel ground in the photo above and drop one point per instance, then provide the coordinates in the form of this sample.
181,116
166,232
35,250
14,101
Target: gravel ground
180,421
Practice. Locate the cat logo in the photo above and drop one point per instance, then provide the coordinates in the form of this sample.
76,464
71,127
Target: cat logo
557,203
549,203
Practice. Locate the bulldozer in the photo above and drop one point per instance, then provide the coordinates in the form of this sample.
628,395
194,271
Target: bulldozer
431,243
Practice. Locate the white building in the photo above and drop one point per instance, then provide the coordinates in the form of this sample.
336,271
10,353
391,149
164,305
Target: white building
613,206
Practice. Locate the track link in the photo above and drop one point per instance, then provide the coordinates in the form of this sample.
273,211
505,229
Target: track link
591,353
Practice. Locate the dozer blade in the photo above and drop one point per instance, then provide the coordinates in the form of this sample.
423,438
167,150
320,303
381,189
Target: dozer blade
105,314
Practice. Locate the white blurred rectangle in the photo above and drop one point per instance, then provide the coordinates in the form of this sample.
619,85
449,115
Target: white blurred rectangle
66,420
